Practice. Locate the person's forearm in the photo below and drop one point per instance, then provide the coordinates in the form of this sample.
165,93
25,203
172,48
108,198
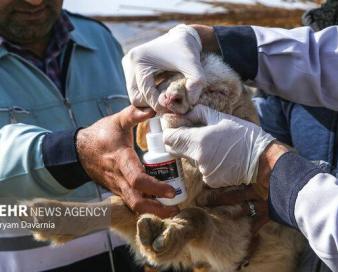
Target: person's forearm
236,45
316,213
283,174
208,39
23,173
267,162
298,65
302,196
61,160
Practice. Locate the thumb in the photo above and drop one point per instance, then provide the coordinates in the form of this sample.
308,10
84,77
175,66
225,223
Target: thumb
195,76
190,65
194,86
146,84
179,141
131,116
203,115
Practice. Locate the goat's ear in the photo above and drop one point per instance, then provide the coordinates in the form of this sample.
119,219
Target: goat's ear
141,131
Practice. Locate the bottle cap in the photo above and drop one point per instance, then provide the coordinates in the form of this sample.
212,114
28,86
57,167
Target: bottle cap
155,125
155,136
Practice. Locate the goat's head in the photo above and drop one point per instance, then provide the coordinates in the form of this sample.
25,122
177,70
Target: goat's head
222,91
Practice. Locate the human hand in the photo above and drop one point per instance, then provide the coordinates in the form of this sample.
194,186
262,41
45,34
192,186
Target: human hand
225,149
105,151
178,50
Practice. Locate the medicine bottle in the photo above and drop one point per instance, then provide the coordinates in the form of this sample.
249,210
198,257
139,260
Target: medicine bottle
163,166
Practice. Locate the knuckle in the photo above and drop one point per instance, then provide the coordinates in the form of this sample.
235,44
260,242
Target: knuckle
130,202
135,182
115,159
132,55
135,55
101,138
134,205
138,206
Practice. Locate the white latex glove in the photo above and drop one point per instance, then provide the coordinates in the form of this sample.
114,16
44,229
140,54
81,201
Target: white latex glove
226,149
178,50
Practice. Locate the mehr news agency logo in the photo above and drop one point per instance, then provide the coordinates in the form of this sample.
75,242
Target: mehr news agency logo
22,211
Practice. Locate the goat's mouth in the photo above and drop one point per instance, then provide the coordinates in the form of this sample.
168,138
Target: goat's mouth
174,103
173,120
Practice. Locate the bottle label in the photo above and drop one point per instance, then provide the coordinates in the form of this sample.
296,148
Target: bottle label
165,171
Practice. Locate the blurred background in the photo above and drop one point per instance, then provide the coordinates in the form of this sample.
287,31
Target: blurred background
137,21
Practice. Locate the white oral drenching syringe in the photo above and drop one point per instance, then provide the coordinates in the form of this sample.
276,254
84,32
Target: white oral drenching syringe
163,166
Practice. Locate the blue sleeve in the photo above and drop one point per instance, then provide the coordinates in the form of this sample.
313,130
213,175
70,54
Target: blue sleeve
23,173
239,49
61,160
280,61
289,175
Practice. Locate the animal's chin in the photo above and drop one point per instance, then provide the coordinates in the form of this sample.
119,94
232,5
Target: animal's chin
172,120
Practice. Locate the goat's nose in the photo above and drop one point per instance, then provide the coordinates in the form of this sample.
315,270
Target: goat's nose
174,98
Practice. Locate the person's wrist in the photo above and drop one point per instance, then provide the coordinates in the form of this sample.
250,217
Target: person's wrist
60,159
80,140
267,162
208,38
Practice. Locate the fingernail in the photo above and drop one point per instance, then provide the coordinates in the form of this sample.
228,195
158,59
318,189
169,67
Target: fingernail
148,110
170,194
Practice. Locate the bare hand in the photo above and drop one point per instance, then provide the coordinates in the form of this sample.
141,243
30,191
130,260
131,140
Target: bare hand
106,153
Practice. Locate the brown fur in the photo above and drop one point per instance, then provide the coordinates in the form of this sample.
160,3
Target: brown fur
208,239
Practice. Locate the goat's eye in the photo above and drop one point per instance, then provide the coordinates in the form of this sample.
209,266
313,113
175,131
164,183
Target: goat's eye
211,90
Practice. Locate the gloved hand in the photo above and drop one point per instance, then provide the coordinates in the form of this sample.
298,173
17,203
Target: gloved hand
226,149
178,50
